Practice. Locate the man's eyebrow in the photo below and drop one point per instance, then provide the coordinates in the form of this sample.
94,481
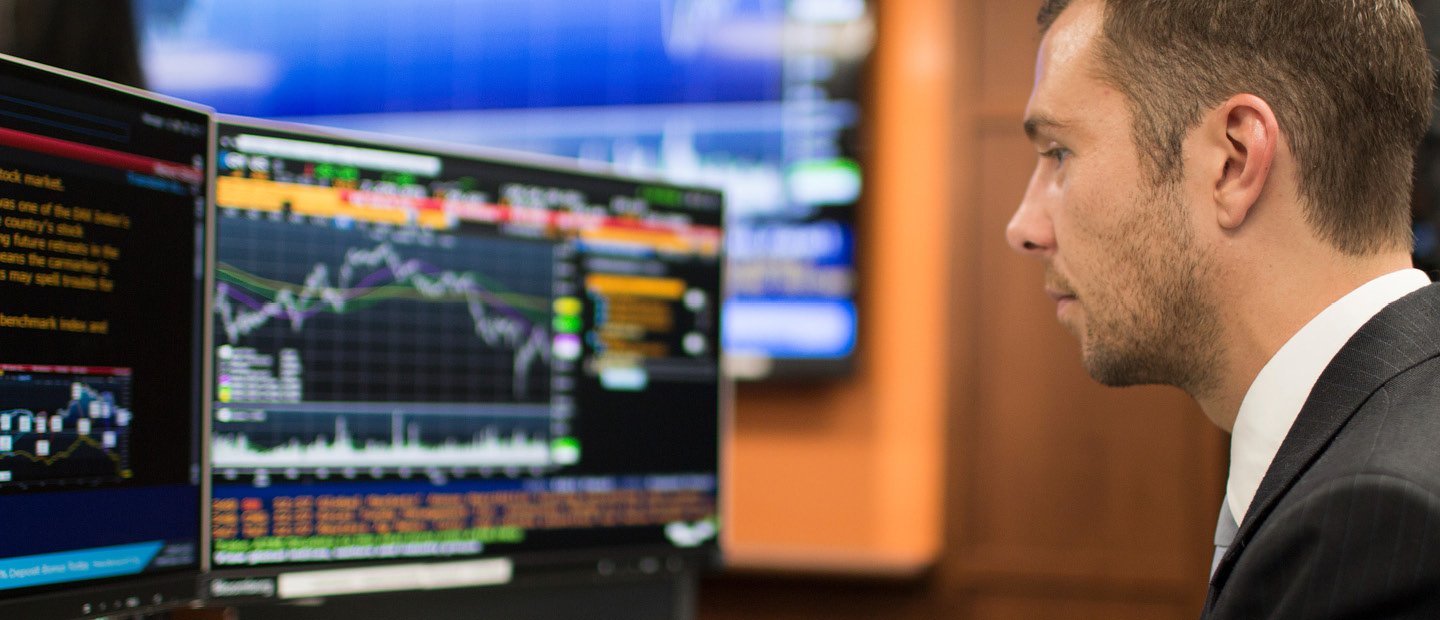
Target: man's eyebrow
1034,125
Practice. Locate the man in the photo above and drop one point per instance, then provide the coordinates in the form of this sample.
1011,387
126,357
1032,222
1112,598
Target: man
1222,205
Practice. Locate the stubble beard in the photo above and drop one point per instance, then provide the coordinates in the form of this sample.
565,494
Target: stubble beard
1164,329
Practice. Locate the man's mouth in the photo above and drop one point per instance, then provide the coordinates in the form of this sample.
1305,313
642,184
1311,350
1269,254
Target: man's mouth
1057,287
1059,291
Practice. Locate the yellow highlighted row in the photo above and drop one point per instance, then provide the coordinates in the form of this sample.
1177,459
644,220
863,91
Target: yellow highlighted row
609,284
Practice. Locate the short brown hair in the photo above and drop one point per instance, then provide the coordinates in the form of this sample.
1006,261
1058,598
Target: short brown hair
1350,83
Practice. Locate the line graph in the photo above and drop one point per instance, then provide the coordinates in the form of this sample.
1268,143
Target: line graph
390,276
60,427
466,317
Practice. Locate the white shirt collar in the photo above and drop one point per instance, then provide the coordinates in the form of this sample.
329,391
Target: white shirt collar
1280,390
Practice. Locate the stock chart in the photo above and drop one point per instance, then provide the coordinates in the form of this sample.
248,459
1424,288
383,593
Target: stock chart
351,346
64,425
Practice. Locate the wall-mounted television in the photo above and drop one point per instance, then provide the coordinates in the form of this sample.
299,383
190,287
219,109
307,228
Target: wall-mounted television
760,98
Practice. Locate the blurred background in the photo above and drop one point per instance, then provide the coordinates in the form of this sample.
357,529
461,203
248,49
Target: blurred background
913,436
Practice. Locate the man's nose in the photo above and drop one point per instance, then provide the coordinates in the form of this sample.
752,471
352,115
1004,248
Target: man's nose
1030,230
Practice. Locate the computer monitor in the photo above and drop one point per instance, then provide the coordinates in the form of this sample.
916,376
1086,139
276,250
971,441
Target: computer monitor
103,226
438,368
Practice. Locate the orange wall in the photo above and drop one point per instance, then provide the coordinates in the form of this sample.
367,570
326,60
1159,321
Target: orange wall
847,475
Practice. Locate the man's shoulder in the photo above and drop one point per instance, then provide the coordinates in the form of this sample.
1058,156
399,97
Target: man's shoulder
1375,410
1393,434
1407,329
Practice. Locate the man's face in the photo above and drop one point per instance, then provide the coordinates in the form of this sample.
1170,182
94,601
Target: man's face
1120,252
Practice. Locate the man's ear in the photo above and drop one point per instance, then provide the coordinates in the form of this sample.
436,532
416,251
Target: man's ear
1245,135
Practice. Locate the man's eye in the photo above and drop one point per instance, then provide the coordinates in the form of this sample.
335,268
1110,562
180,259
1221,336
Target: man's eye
1059,154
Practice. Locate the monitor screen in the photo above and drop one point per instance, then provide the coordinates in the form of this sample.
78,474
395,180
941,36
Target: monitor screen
435,368
761,98
103,215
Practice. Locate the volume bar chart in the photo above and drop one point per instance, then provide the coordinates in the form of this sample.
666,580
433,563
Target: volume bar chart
364,438
64,425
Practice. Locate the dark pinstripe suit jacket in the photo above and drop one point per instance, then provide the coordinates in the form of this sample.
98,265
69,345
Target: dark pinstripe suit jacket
1346,523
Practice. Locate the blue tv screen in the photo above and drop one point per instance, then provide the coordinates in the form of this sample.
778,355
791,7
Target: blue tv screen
758,98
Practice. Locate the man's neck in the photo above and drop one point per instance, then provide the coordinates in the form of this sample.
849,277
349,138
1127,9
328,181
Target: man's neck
1257,324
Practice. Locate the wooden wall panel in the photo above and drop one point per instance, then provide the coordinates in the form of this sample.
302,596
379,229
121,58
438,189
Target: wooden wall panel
1066,485
1030,608
1004,54
1066,476
805,598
